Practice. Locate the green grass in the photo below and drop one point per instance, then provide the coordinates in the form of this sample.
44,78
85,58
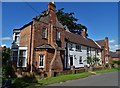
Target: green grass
34,83
107,70
63,78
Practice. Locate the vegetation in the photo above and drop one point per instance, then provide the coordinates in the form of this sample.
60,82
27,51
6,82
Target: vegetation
28,82
92,60
67,20
6,66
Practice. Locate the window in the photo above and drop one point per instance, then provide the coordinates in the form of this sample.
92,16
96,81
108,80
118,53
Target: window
80,60
17,35
88,49
41,61
58,36
44,33
78,48
15,55
97,52
70,46
22,58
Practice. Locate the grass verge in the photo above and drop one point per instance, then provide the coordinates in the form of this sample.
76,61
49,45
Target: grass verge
35,83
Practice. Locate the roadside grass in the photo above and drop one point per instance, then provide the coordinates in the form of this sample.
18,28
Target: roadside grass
36,82
63,78
107,70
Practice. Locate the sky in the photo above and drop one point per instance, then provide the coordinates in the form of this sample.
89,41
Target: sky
100,18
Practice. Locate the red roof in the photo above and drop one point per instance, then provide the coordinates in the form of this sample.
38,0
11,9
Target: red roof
80,40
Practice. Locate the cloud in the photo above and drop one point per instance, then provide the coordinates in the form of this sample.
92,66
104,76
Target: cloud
112,41
6,38
114,47
3,45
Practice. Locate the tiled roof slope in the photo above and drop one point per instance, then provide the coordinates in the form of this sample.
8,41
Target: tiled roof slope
80,40
101,42
114,55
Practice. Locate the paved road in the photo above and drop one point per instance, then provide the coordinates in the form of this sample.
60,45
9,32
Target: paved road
104,79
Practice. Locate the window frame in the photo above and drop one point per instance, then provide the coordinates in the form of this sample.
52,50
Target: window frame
41,60
58,36
20,49
16,37
44,33
70,46
78,48
80,60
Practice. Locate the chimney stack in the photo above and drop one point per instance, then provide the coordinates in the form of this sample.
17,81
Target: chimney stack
83,33
52,11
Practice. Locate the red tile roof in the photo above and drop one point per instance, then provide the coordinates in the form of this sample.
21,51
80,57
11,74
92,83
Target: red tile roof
101,42
80,40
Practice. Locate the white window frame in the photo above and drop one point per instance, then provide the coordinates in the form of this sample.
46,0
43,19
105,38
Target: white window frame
78,47
39,60
81,60
58,36
18,35
70,46
22,48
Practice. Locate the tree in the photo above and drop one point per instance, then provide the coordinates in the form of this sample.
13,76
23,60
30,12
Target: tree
92,61
6,68
68,19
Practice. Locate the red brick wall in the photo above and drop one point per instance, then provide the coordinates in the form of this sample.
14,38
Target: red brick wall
25,36
38,40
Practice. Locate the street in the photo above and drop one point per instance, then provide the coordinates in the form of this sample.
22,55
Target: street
104,79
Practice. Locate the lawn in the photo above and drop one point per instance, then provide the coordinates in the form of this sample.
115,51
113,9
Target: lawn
35,82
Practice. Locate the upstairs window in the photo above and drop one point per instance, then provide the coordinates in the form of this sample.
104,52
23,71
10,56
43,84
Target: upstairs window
58,36
78,48
16,37
41,61
44,33
70,46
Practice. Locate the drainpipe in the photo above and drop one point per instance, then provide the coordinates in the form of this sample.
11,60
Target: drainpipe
54,45
31,50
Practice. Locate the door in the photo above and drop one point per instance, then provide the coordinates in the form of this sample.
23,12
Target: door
71,60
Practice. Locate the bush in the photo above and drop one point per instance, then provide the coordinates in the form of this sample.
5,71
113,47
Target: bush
116,62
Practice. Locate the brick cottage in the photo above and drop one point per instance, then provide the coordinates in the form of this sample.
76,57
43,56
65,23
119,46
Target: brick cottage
45,45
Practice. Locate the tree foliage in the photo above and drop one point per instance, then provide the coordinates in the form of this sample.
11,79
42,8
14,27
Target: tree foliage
68,19
6,68
92,60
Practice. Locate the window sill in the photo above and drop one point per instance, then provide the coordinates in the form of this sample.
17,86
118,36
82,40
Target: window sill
80,63
41,67
44,38
78,50
71,49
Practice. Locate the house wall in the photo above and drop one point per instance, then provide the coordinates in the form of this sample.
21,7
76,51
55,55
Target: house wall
76,55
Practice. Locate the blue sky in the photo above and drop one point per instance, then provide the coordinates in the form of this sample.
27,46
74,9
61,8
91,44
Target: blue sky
101,18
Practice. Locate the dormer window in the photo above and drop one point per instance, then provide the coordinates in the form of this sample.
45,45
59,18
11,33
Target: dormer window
16,37
58,36
44,33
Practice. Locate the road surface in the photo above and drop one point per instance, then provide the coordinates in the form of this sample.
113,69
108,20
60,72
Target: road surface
104,79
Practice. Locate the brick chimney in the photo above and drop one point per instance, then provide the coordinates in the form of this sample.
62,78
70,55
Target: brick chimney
83,33
52,10
107,45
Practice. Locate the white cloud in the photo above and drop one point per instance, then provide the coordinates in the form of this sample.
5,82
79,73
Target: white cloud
112,41
5,38
114,47
3,45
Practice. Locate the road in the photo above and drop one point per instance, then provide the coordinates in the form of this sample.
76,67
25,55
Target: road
104,79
